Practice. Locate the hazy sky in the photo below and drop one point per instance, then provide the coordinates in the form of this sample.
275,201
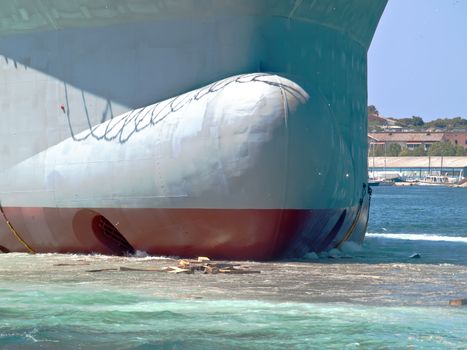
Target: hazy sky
417,63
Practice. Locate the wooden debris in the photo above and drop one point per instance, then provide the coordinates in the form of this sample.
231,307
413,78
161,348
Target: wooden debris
458,302
176,269
102,270
209,269
203,259
238,271
183,264
77,264
190,267
124,268
214,268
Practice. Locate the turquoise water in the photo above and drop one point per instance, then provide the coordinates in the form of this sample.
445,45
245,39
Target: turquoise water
429,220
109,319
374,297
420,209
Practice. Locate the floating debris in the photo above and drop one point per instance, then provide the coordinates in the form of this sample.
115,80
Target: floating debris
203,258
458,302
124,268
183,264
201,265
75,264
102,270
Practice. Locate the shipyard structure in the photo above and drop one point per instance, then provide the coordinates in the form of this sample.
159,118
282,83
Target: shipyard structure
232,129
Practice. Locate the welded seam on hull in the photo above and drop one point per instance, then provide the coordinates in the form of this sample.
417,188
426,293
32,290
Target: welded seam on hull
46,14
295,7
362,40
372,11
367,214
286,160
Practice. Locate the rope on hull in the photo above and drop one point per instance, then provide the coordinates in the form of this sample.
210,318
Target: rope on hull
15,233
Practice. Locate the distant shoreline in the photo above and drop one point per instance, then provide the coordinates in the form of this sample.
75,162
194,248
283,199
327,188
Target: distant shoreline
418,162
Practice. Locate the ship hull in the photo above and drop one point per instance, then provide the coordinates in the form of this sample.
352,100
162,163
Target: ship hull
252,166
218,233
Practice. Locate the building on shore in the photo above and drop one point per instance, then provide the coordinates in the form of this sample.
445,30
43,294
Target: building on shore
418,167
457,138
380,142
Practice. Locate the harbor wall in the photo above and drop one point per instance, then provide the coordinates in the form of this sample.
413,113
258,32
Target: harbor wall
417,167
417,162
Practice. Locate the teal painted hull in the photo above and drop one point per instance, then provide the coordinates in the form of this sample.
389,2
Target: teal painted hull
288,133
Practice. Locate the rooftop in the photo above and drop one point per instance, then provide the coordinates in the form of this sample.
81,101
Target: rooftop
407,136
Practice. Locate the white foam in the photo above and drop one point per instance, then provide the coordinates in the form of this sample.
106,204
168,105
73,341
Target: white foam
335,253
418,237
140,254
311,256
350,247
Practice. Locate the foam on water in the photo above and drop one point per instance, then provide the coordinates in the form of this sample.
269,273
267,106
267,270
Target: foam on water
418,237
107,318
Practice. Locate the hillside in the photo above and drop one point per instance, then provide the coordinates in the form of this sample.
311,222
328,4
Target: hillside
376,123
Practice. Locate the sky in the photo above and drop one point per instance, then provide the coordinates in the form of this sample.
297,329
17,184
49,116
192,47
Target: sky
417,62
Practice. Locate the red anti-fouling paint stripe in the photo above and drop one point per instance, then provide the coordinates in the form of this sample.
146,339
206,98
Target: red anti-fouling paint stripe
257,234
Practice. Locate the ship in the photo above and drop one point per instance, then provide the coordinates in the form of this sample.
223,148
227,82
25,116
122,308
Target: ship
232,129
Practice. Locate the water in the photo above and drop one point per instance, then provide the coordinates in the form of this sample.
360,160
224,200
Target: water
429,220
374,297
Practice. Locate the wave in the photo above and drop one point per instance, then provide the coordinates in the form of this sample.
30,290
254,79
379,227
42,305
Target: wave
418,237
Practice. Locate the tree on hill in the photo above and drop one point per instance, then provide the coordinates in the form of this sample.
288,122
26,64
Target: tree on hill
445,148
415,122
448,124
439,124
375,126
372,110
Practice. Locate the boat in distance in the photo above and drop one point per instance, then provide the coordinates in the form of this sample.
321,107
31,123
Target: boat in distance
231,129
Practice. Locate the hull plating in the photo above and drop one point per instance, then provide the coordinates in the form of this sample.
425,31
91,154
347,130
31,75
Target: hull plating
255,166
219,233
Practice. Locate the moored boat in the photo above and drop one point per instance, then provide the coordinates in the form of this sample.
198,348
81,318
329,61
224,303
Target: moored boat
437,180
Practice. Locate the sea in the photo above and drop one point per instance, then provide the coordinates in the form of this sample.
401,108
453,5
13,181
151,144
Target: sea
391,293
